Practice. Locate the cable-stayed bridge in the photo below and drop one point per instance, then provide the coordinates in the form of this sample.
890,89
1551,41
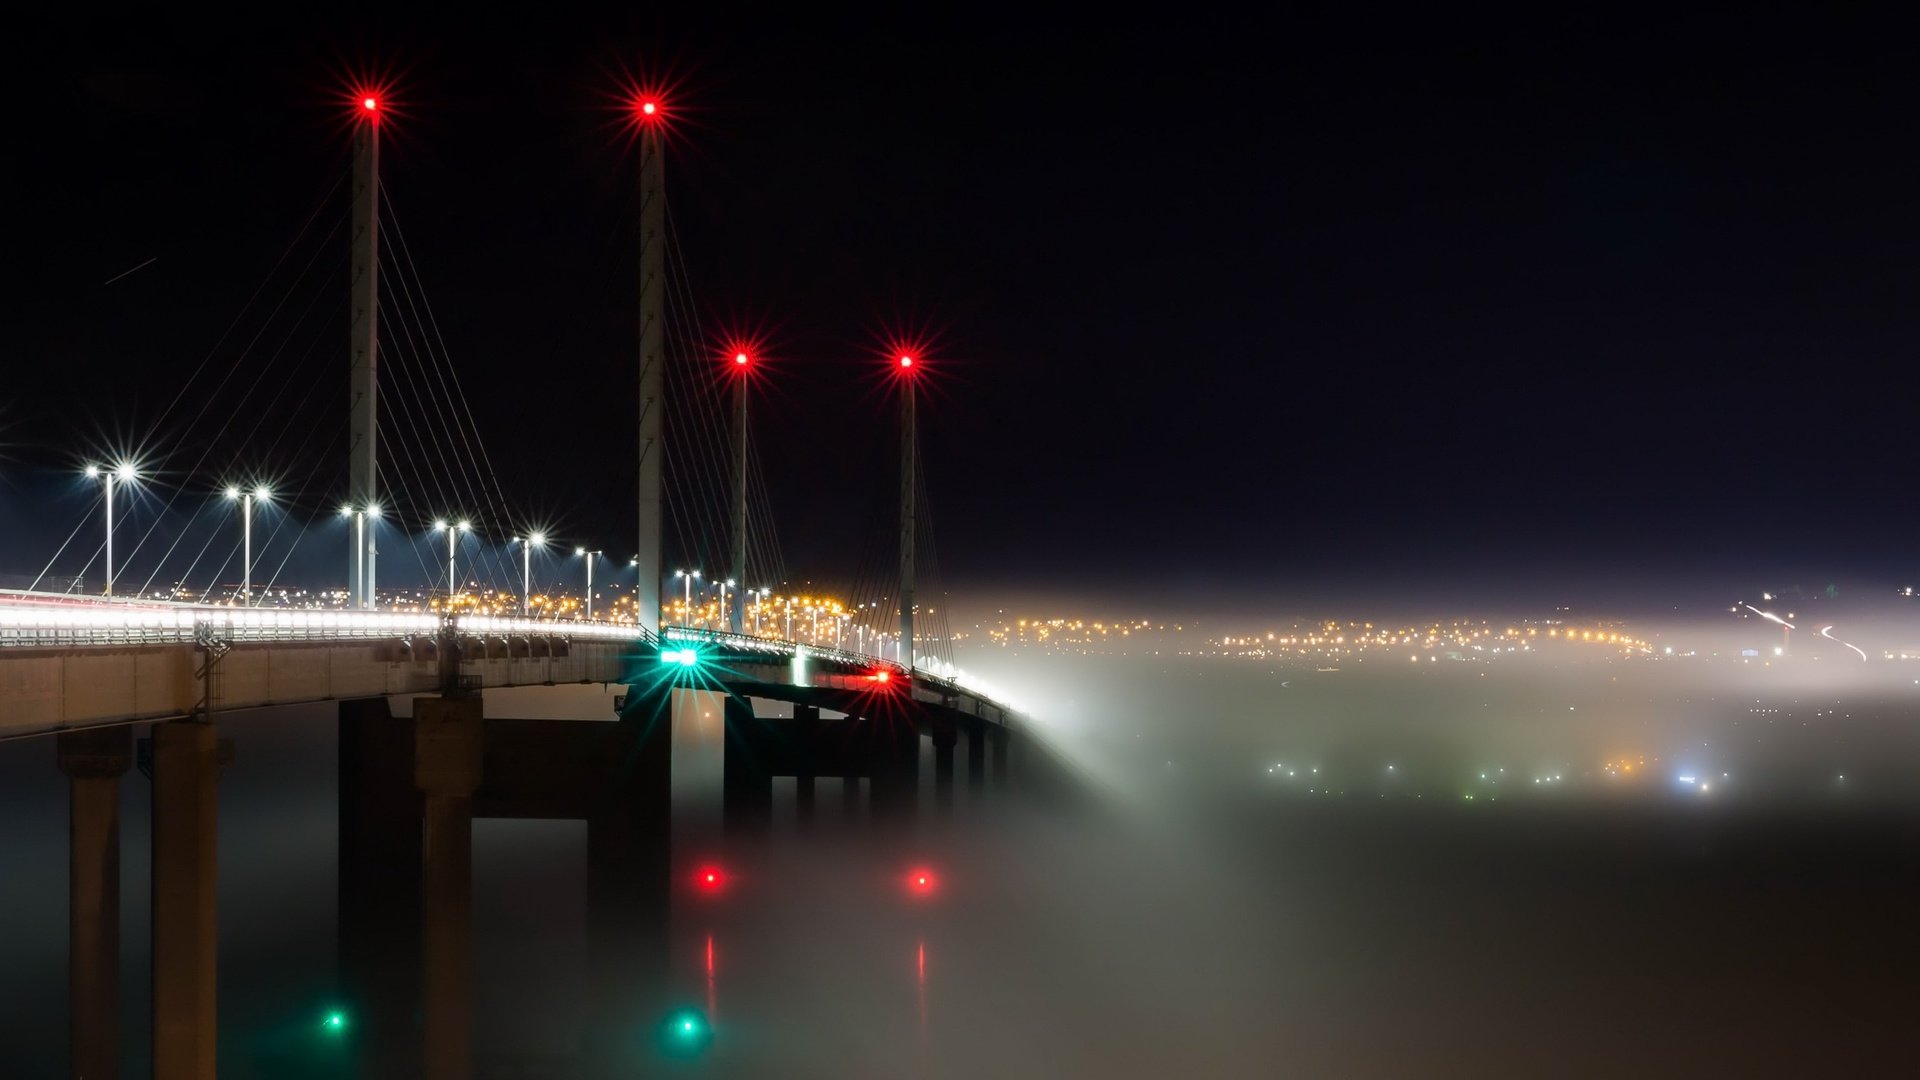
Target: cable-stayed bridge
857,680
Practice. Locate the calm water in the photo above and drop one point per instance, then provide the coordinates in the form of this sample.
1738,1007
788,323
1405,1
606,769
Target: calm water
1204,920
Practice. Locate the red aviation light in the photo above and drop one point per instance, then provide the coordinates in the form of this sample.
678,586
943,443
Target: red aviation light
710,879
906,361
368,99
740,359
647,109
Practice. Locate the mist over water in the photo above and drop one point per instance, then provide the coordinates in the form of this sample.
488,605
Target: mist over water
1270,869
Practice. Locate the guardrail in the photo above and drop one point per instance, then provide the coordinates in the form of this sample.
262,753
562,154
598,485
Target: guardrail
31,624
779,647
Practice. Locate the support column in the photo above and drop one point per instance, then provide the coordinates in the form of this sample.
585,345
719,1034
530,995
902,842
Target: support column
94,761
806,732
976,757
999,740
944,739
803,799
850,796
628,883
186,768
379,890
746,785
896,769
449,750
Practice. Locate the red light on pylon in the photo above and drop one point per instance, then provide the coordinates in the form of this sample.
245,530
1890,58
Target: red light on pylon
740,359
922,882
904,354
710,879
647,109
367,98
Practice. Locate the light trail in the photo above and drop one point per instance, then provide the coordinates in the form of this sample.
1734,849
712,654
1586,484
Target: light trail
1768,615
1848,644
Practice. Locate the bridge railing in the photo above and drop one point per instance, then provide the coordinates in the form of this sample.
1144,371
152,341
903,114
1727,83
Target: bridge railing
37,624
783,648
773,646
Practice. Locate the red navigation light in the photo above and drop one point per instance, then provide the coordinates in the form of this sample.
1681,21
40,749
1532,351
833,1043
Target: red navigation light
710,879
922,881
740,359
647,109
370,104
906,361
883,676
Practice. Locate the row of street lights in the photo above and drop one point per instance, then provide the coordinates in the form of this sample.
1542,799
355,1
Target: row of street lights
125,473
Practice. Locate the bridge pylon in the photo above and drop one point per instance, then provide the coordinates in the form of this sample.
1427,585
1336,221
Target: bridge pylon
648,558
364,349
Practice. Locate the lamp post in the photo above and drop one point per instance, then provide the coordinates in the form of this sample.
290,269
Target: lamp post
526,569
589,556
453,542
359,592
246,534
126,474
686,594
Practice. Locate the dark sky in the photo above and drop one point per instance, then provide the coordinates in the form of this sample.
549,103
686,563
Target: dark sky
1535,304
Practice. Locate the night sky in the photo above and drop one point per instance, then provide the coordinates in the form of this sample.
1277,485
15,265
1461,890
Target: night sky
1534,309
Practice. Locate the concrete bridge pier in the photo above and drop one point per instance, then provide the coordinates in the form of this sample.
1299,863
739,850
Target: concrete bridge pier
998,741
186,768
976,758
379,889
449,751
894,754
806,730
944,740
746,777
94,761
629,882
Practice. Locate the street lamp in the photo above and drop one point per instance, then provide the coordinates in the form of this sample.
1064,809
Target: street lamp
526,568
764,593
125,473
246,532
589,556
453,540
686,602
358,595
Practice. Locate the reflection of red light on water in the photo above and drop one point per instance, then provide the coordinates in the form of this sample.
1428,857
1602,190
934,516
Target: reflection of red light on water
922,881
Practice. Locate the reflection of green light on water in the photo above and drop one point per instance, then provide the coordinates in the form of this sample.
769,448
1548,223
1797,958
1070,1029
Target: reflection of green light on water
686,1033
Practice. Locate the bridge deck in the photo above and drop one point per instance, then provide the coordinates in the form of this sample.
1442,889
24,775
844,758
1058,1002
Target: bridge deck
67,663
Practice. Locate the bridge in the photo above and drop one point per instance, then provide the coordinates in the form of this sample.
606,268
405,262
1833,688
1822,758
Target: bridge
85,667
